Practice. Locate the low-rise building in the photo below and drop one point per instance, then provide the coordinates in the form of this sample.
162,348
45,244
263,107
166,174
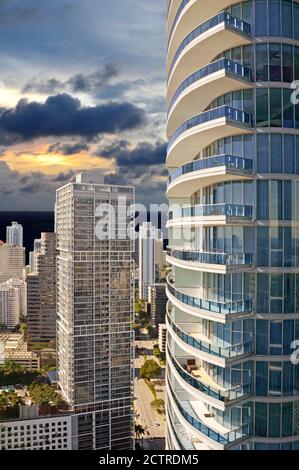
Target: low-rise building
15,349
39,433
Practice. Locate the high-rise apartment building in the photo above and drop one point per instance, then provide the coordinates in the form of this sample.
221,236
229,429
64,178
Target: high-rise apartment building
233,158
32,254
12,262
14,234
150,257
95,310
41,292
157,299
13,305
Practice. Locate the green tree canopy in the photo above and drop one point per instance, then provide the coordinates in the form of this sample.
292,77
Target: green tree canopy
150,369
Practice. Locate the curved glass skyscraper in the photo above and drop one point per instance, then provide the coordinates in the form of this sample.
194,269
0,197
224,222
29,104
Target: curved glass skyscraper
233,159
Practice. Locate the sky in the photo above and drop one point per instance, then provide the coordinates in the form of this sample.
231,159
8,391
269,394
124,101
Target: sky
82,86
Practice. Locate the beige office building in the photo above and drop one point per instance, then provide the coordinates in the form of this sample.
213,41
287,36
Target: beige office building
12,262
41,293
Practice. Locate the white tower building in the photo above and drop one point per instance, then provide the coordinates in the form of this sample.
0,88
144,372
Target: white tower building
14,234
95,299
150,257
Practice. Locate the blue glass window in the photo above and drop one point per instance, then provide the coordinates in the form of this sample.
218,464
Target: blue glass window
262,107
262,337
276,153
261,379
287,62
288,336
275,107
261,419
261,18
287,419
263,246
275,62
263,200
287,18
289,157
289,293
288,380
274,420
288,109
275,381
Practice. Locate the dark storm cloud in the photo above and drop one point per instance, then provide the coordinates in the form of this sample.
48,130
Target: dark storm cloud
79,83
30,191
63,115
68,148
64,177
144,154
44,87
142,166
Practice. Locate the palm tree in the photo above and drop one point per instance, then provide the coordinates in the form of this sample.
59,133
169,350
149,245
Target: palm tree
139,431
10,367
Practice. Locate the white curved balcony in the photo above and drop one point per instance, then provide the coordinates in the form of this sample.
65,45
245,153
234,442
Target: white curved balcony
200,131
209,261
184,15
188,300
224,259
210,215
198,346
199,48
187,179
199,383
182,439
238,211
193,414
202,87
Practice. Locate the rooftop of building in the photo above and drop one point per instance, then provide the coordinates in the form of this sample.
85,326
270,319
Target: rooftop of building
15,346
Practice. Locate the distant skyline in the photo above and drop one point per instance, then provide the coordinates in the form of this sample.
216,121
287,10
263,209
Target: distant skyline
82,86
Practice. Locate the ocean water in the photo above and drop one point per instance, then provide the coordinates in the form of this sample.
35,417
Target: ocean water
33,224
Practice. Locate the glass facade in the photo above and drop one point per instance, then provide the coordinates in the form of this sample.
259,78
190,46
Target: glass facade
95,312
237,196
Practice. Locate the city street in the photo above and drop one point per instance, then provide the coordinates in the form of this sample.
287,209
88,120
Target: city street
154,438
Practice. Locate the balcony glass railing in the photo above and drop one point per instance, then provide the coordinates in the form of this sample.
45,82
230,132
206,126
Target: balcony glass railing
224,439
229,161
239,391
230,21
223,259
223,308
233,68
231,114
181,436
228,352
227,210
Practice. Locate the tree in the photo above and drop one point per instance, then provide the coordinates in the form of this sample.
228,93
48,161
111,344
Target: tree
10,368
44,395
149,328
156,351
150,369
139,431
11,374
135,326
158,405
12,399
23,328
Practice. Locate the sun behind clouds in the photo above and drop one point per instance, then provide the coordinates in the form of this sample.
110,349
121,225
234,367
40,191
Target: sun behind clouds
52,163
